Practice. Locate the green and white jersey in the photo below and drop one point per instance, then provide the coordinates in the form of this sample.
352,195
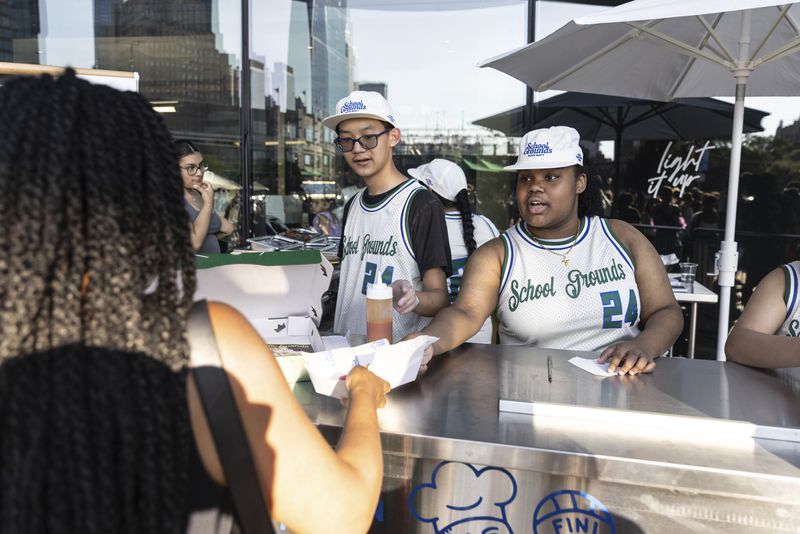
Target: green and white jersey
483,230
376,247
591,303
791,324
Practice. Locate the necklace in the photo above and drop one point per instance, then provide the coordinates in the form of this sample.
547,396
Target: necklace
562,255
196,201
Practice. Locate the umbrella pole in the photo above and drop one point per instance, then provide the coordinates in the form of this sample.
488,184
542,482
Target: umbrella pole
728,253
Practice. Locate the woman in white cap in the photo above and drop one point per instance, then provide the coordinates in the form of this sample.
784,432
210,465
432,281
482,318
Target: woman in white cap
562,278
466,231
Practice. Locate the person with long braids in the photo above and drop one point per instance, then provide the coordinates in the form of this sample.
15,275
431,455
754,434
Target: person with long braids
206,227
101,425
466,231
563,277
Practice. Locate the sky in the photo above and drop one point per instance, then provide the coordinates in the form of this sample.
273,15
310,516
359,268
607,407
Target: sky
427,58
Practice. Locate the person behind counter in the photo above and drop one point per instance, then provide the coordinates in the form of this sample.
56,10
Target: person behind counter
101,426
766,333
466,230
393,231
198,198
561,277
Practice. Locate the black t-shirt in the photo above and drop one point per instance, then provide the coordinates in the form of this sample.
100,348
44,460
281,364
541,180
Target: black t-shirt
429,239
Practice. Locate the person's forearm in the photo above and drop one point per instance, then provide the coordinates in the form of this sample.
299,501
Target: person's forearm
431,301
661,330
453,326
762,350
225,227
360,446
200,227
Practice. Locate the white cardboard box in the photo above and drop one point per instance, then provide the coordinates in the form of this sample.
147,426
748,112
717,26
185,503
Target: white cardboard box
280,293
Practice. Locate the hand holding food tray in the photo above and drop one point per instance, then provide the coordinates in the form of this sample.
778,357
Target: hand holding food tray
398,364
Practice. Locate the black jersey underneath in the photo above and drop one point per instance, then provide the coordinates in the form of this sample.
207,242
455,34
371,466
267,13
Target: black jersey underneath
428,228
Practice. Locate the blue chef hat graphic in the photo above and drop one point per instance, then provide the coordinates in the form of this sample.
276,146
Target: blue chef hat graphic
461,499
572,511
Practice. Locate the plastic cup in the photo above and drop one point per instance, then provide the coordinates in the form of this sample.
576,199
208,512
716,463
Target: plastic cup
379,312
688,272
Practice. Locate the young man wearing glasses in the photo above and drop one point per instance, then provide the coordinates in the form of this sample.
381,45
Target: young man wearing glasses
393,232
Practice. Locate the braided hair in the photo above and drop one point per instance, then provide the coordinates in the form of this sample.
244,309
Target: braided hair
464,208
98,277
590,202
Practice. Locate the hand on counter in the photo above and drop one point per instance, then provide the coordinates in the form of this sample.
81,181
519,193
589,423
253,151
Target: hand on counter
404,296
426,356
628,357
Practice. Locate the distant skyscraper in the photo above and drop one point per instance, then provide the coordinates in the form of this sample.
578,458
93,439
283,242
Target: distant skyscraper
19,29
171,44
258,80
378,87
104,17
320,53
299,54
330,77
283,87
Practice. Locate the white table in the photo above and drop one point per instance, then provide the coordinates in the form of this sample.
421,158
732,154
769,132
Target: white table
696,294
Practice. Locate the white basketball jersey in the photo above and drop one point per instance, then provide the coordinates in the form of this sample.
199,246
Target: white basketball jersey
791,325
376,247
591,303
483,231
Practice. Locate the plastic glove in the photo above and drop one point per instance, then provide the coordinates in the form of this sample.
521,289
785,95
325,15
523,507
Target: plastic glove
404,296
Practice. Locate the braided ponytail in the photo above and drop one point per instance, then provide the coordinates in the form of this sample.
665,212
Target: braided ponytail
94,426
463,206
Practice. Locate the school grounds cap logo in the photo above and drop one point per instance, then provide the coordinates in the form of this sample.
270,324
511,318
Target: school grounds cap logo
361,105
444,177
538,149
549,148
572,512
350,107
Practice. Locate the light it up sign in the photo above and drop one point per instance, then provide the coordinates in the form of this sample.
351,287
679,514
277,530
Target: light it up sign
678,171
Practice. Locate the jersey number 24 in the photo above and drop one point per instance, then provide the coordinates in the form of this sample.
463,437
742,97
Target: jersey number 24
370,270
612,309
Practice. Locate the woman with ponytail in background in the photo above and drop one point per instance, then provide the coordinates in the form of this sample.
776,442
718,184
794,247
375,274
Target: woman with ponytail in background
564,277
466,230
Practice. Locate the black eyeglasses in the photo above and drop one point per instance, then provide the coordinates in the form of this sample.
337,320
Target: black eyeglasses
192,169
368,141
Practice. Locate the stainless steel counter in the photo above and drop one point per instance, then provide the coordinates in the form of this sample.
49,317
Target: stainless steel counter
681,450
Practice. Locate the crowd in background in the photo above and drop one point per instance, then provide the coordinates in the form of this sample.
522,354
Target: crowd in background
691,225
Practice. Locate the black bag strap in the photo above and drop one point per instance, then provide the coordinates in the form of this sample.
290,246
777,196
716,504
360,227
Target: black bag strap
225,424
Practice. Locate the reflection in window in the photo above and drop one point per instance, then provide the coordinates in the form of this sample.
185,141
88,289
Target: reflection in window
420,55
186,55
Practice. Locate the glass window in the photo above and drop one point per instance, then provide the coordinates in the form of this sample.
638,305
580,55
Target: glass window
420,55
186,54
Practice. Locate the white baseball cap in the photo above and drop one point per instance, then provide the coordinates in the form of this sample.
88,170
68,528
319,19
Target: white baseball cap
361,105
549,148
442,176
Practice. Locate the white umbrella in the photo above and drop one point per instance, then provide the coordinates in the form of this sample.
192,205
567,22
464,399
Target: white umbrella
664,49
